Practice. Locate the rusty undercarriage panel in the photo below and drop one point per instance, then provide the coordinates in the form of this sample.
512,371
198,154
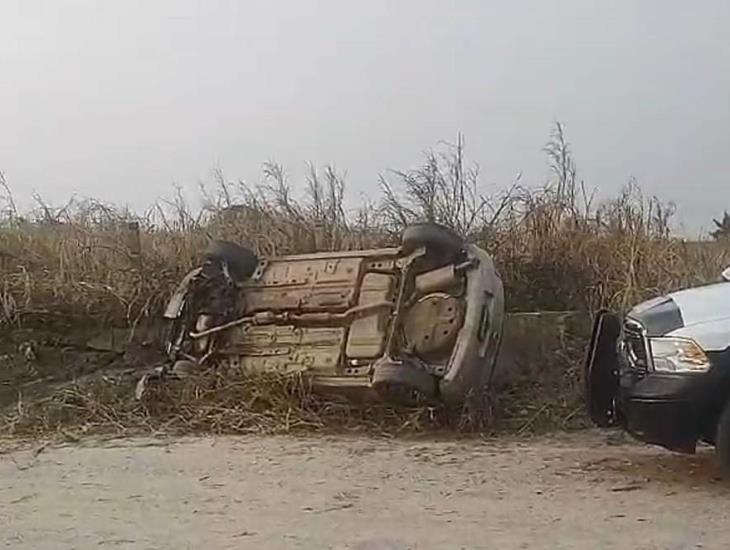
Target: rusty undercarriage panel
284,348
367,335
314,349
303,285
314,285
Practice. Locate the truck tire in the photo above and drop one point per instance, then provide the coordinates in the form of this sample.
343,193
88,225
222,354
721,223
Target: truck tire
722,441
241,261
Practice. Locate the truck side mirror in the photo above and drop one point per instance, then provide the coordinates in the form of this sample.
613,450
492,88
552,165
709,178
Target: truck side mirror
726,274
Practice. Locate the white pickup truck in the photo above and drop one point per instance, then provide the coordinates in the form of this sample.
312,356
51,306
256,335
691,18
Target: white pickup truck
662,372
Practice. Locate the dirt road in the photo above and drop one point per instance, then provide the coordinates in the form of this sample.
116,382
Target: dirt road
327,492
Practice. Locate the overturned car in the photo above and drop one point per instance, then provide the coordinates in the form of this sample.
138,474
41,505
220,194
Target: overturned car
662,372
422,321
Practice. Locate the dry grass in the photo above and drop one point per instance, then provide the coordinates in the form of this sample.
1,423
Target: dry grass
210,403
543,399
271,404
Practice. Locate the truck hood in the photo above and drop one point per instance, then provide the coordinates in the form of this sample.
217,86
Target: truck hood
703,304
701,313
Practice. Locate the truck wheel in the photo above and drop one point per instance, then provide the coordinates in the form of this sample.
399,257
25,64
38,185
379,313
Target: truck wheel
722,441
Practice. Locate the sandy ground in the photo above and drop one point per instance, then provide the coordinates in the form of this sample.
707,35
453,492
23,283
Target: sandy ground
574,491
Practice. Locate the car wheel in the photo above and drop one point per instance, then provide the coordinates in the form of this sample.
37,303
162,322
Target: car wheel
433,236
722,441
241,261
402,383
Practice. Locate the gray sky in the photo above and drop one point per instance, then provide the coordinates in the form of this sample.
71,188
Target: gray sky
119,99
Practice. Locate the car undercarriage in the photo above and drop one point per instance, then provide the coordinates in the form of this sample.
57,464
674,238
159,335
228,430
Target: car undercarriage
421,321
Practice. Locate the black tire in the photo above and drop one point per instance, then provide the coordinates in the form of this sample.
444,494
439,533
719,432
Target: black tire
241,261
402,383
722,441
433,236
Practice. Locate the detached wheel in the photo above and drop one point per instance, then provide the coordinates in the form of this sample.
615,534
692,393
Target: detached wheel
402,383
433,236
241,261
722,441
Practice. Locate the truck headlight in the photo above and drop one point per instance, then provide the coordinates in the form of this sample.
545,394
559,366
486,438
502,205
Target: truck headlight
678,355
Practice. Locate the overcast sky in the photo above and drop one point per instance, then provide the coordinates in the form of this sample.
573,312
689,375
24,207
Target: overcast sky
119,99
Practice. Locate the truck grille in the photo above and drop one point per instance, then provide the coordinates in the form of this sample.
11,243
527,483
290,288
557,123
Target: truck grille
635,346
